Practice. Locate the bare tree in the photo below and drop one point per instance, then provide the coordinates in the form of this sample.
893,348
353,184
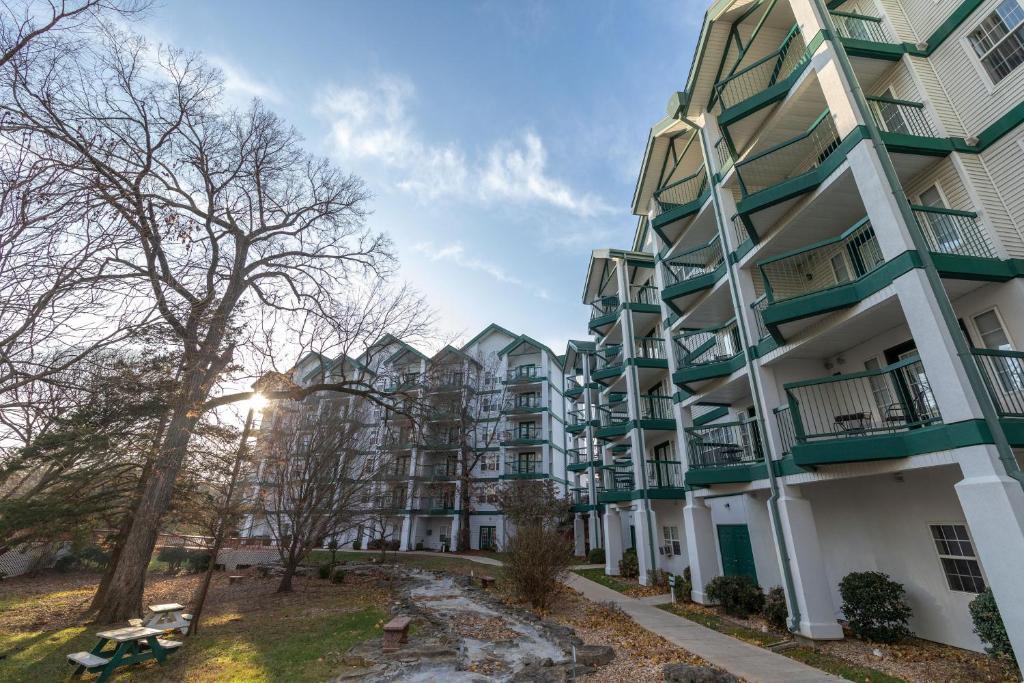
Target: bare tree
316,477
236,231
538,551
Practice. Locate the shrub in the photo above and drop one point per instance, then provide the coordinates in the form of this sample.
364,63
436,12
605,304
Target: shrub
173,556
988,624
65,563
685,585
775,611
875,606
419,545
657,577
357,544
539,552
325,570
739,596
596,556
197,560
629,565
338,576
393,545
94,556
373,544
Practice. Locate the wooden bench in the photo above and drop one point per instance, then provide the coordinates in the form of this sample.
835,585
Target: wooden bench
234,579
486,581
396,632
87,659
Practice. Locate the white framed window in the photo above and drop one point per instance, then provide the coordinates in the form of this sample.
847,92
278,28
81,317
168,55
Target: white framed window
672,544
839,269
489,462
956,555
998,41
991,331
940,229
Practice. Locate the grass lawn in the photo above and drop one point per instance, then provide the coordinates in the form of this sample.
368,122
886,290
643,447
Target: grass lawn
820,660
248,633
598,576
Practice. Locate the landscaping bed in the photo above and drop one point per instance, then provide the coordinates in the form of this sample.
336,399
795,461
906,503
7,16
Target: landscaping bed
626,586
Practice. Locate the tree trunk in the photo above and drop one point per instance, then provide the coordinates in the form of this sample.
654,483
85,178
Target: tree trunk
286,579
462,542
123,599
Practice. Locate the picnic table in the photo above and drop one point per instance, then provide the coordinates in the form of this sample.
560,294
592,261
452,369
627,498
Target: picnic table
131,645
168,617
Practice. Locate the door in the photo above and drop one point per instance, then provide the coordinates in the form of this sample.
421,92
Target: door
488,535
737,554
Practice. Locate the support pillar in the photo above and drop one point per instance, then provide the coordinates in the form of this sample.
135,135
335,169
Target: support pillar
405,536
579,536
643,520
594,524
700,546
813,596
993,504
612,541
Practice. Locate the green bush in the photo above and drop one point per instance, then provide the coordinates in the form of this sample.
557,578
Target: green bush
684,585
629,565
338,576
94,556
775,611
739,596
174,556
325,570
65,563
875,606
197,560
988,624
419,545
596,556
357,544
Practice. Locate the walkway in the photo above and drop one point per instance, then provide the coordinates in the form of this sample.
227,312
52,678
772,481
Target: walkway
741,659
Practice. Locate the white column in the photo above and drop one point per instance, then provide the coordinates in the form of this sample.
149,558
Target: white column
646,550
594,524
579,536
700,545
993,504
453,539
405,536
612,540
813,594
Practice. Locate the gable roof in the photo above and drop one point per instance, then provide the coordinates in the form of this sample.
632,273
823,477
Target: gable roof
525,339
449,349
493,327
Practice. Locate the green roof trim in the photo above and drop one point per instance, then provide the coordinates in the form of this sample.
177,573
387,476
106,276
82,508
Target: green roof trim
493,327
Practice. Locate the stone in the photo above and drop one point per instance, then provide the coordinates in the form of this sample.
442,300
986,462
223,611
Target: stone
688,673
594,655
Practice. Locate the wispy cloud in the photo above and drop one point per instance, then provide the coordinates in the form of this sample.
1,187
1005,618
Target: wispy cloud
375,123
457,254
241,85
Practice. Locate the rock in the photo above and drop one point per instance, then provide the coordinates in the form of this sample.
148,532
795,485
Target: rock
536,673
688,673
594,655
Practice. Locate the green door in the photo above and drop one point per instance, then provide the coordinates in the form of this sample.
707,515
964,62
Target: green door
488,534
737,555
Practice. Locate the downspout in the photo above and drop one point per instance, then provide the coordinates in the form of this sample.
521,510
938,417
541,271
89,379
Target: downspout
588,430
773,499
974,378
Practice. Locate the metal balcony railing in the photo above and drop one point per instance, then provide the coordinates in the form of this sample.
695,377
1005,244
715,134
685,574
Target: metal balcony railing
604,306
824,265
790,159
573,383
398,469
759,305
724,444
948,231
619,476
861,27
654,407
444,471
390,501
614,414
581,496
1004,375
677,193
708,345
522,434
664,474
643,294
739,231
610,354
895,398
695,262
443,504
523,466
784,421
577,416
524,403
579,456
901,116
764,73
652,348
723,154
525,373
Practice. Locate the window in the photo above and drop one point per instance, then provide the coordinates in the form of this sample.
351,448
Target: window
940,228
672,544
999,40
1007,368
990,329
489,463
839,269
956,553
892,118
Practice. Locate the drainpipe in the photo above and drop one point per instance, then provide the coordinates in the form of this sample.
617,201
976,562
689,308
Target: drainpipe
755,386
974,378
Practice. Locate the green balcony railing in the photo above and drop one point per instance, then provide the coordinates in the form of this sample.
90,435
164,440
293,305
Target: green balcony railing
437,505
894,398
664,474
790,159
524,403
577,416
581,496
1004,376
604,306
694,263
901,116
764,73
724,444
651,348
949,231
739,231
522,433
861,27
784,421
614,414
823,265
759,305
519,466
619,476
525,373
724,155
579,456
643,294
445,471
677,193
654,407
708,345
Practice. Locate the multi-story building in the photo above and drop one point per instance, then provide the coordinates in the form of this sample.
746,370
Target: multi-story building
807,360
475,416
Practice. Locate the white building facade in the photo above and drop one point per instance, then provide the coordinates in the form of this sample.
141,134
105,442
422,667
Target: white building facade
806,364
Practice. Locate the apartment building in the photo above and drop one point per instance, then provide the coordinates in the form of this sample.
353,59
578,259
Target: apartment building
806,364
498,399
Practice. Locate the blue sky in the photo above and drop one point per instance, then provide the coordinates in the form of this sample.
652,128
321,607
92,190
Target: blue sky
501,140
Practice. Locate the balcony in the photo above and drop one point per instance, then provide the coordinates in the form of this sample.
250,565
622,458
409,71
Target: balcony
655,414
580,460
617,481
764,82
787,433
525,374
665,479
613,418
445,471
603,313
951,236
692,272
1003,371
610,365
577,421
395,470
391,501
446,382
522,436
888,412
860,27
441,441
438,505
524,404
724,155
707,354
644,295
581,499
724,452
790,168
519,467
678,200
